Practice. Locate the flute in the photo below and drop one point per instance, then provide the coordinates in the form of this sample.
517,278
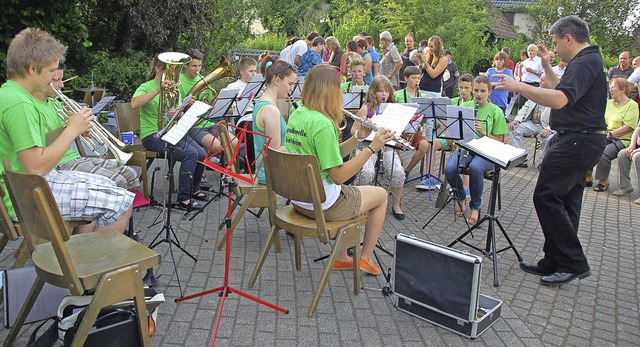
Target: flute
404,144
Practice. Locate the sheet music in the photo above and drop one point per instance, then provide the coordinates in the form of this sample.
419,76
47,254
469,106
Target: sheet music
225,99
186,122
500,152
416,119
395,117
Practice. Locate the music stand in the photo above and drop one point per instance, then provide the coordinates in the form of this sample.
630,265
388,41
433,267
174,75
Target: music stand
487,153
251,178
434,113
460,127
296,93
171,135
250,92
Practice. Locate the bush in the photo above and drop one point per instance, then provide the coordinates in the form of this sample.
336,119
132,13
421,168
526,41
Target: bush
120,75
268,41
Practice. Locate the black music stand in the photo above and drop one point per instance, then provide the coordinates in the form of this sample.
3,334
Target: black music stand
460,127
296,93
490,246
252,91
433,110
227,170
171,135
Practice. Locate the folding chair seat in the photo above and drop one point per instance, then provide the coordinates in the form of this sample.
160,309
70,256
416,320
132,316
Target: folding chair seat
106,263
303,183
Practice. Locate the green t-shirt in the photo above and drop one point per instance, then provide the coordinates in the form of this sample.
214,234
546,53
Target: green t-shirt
310,132
149,112
53,121
617,116
402,96
491,118
22,126
186,84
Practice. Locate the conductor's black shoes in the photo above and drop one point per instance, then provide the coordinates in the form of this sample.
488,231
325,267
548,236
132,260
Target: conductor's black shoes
535,269
560,278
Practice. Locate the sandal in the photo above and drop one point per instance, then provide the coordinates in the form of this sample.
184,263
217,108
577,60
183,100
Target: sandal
601,187
200,196
471,219
460,209
188,206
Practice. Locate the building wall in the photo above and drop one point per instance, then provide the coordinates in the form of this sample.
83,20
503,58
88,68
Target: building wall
524,23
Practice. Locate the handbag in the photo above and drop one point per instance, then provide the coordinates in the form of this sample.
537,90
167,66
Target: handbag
116,325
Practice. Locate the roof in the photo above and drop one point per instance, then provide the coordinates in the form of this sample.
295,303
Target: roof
502,28
511,3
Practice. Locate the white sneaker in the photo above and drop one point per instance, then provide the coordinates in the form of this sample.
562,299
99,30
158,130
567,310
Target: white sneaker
428,184
623,191
637,201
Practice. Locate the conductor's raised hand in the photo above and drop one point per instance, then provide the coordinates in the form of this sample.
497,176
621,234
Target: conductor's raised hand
544,54
383,135
81,121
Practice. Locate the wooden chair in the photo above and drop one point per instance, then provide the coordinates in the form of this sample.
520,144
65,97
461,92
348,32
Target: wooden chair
246,195
11,232
128,119
106,263
303,183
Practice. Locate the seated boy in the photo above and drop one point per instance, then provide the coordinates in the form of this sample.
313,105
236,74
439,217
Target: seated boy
32,58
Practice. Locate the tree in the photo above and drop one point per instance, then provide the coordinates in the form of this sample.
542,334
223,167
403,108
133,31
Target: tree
613,23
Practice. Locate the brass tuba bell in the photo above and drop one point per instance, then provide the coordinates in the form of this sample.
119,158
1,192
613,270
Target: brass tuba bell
169,93
223,70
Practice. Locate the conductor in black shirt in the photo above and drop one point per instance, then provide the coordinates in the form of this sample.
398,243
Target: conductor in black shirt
578,103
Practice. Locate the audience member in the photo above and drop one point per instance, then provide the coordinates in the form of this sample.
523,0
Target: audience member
621,116
624,69
532,119
311,57
507,51
391,61
627,156
499,97
450,77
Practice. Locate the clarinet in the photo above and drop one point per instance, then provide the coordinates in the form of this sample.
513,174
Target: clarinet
294,103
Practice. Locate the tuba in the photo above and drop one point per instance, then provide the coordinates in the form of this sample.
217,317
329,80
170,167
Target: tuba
169,93
223,70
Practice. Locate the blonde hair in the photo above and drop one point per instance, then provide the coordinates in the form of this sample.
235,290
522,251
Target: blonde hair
35,47
333,42
622,84
155,63
379,83
434,57
322,92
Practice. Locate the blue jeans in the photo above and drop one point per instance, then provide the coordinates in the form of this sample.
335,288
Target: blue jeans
477,166
188,152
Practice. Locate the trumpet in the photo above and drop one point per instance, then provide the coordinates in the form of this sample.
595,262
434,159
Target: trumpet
100,136
404,144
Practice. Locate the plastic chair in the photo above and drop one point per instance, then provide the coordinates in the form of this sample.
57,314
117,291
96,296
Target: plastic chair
106,263
297,177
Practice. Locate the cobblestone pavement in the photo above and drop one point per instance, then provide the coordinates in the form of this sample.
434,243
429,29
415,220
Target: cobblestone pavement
601,310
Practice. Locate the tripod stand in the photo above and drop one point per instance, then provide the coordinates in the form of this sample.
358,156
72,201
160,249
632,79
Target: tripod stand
226,289
170,236
492,219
